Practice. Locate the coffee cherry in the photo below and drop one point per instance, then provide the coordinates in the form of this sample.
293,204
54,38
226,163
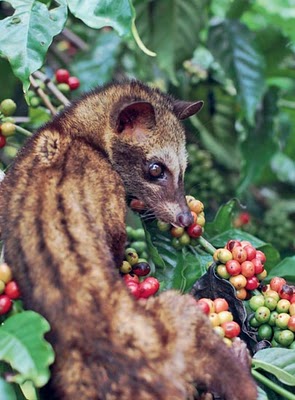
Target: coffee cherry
133,287
204,306
286,292
225,316
291,323
5,304
224,255
233,267
262,314
2,141
252,283
195,230
5,273
64,88
73,82
282,320
256,301
62,75
125,267
265,332
220,304
231,329
148,287
284,337
185,239
270,302
2,287
277,283
222,271
163,226
141,268
7,129
7,107
247,269
283,306
239,254
12,290
238,281
176,231
131,255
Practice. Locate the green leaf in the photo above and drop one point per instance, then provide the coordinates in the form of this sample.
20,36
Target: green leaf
260,144
23,347
233,46
7,390
223,219
171,28
118,14
285,269
277,361
96,67
26,35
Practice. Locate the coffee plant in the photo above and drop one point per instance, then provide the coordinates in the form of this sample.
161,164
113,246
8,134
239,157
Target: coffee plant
238,56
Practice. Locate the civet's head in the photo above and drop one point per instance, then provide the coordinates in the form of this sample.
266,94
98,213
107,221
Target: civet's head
148,151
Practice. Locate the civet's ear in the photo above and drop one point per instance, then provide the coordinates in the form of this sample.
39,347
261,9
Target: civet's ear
139,114
185,109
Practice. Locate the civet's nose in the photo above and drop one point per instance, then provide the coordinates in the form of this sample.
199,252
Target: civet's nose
184,219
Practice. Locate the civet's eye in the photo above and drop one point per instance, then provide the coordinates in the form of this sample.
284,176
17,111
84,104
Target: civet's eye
156,171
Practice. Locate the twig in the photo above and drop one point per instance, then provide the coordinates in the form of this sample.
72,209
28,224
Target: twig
52,87
23,131
21,120
76,40
43,96
206,245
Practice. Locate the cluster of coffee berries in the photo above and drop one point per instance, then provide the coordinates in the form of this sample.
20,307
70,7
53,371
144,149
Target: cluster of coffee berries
203,179
141,289
133,270
221,318
9,289
7,126
273,315
135,267
66,82
185,236
242,265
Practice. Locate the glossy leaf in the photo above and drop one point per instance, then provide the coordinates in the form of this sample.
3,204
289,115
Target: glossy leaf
26,35
23,347
100,13
279,362
171,28
233,46
223,219
260,144
285,269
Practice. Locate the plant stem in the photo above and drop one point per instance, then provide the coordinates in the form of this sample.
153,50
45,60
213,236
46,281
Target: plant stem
23,131
271,385
206,245
43,95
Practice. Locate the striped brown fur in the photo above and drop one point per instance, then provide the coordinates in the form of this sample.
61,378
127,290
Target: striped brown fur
62,220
